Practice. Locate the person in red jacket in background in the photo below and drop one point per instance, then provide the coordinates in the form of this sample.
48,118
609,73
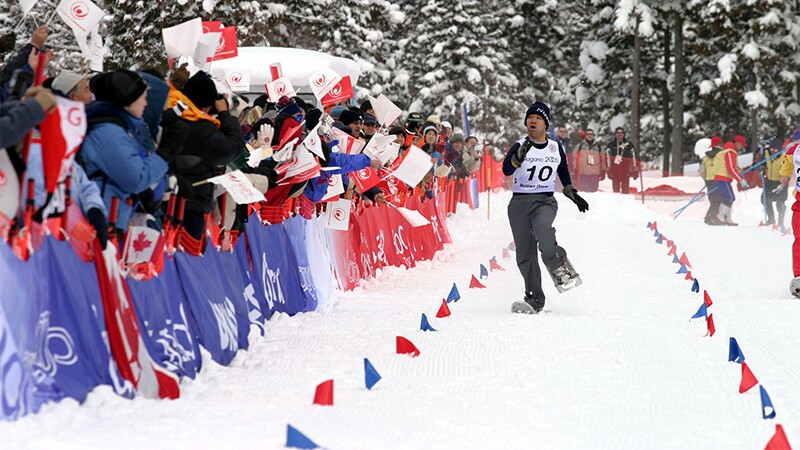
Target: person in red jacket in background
726,171
788,171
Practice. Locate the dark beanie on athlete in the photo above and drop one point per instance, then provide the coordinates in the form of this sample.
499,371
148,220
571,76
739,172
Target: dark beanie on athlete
541,110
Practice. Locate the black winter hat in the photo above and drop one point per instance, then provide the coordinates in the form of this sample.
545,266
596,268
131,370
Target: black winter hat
541,110
349,117
201,90
121,87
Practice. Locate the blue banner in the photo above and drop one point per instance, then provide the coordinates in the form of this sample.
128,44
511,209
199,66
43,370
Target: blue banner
163,319
276,276
59,329
296,226
239,277
217,313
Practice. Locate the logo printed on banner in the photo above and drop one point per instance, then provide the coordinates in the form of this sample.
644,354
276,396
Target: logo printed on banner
226,323
352,270
306,281
272,288
400,245
46,361
381,256
14,383
221,44
255,314
173,349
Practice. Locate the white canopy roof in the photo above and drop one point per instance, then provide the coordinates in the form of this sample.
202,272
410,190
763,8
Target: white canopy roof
297,64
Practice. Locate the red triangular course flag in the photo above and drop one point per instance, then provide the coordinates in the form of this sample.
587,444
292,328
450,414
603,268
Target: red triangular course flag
654,226
444,310
506,253
475,284
684,260
689,276
494,266
779,440
710,323
406,347
748,379
706,298
324,394
673,250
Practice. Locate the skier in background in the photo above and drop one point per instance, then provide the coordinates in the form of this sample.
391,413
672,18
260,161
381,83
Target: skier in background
534,162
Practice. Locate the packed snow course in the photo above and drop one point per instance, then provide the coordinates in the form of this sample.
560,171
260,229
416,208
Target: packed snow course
615,363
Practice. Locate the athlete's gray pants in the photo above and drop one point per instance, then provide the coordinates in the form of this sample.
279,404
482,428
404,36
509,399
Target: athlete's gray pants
531,217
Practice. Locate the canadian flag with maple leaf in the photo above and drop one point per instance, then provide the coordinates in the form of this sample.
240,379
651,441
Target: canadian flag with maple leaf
141,244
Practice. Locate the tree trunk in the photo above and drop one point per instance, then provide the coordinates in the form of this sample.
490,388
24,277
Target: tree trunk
635,119
667,143
677,99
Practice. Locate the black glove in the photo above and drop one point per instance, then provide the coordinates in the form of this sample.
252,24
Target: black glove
523,149
572,194
185,187
98,220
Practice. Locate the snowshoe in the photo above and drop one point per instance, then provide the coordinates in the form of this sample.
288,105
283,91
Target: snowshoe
564,276
794,287
527,306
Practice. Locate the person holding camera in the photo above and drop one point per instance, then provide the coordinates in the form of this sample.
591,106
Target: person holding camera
118,153
534,161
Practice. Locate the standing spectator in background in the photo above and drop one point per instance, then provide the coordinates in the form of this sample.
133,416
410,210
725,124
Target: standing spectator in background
740,143
725,171
773,192
708,170
447,130
25,58
369,127
74,87
622,162
591,164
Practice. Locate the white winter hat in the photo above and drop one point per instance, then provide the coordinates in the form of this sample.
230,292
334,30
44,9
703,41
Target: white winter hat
66,81
447,124
702,146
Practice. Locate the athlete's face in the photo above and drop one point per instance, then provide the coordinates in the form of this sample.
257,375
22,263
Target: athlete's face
536,124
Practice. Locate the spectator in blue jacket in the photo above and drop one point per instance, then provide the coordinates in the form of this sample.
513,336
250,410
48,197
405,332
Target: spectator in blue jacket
118,152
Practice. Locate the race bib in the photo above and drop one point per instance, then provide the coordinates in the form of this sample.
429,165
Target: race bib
618,159
537,173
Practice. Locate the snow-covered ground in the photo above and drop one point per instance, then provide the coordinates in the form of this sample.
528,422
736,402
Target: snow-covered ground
615,363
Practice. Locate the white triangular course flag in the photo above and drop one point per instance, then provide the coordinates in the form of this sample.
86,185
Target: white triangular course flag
140,244
380,148
337,216
322,81
313,142
413,217
182,38
280,87
26,5
206,48
335,187
239,186
414,166
80,15
9,186
238,80
386,112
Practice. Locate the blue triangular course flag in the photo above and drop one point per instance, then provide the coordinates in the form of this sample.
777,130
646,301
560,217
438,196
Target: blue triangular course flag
683,269
675,259
425,325
734,352
767,410
296,439
484,272
659,240
695,285
656,233
371,376
453,296
649,224
702,312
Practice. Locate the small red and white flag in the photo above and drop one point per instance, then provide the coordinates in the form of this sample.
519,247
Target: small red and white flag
380,147
303,166
313,143
280,87
341,91
335,187
416,163
337,216
365,179
239,187
228,45
140,244
323,81
238,80
182,38
62,133
386,112
80,15
9,186
348,144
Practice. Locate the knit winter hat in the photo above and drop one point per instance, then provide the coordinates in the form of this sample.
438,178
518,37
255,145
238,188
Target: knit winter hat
446,124
716,141
541,110
349,116
456,137
369,119
740,139
337,111
66,81
201,90
729,146
430,128
292,109
121,87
